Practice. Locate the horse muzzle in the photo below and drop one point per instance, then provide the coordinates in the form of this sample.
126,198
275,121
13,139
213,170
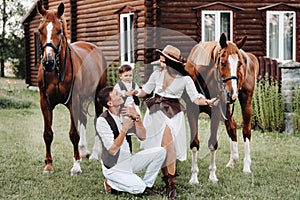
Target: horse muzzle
231,98
48,64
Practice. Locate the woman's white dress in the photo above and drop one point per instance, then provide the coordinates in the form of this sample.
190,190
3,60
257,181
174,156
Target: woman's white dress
155,123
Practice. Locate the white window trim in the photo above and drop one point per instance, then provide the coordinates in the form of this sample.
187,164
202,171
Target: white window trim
217,27
281,31
122,40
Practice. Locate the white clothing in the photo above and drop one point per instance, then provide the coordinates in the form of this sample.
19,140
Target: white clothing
129,100
156,123
122,176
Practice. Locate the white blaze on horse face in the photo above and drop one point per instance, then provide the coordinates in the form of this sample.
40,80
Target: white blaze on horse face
49,28
233,60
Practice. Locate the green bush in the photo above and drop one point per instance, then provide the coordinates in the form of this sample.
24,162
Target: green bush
113,74
296,109
7,101
268,106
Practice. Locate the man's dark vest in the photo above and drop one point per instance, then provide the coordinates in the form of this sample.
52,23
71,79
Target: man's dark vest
123,87
108,159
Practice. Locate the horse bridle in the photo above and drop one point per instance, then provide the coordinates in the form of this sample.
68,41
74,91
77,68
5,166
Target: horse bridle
55,64
224,80
221,87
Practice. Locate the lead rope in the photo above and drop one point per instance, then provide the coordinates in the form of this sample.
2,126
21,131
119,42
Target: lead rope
72,84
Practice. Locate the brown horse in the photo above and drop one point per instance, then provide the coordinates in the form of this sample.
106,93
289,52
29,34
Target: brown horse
221,69
69,74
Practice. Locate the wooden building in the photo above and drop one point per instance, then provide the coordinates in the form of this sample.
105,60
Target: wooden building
128,31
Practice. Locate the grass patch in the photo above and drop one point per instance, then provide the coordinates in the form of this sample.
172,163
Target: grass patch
275,163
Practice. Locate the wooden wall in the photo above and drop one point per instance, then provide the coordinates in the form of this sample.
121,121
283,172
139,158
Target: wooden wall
179,15
96,21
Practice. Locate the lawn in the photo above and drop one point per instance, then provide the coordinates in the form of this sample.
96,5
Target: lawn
275,161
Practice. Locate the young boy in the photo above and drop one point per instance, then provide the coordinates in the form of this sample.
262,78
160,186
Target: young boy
127,87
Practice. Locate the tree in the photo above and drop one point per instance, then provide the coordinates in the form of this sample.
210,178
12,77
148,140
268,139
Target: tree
11,41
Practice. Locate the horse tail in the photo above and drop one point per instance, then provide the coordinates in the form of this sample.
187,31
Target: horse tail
101,84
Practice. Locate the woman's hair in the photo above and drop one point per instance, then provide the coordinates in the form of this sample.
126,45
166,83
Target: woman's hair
175,67
124,68
103,95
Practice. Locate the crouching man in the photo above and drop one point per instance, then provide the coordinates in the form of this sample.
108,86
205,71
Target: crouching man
119,166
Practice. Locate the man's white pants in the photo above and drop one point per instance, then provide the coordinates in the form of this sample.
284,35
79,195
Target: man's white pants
122,176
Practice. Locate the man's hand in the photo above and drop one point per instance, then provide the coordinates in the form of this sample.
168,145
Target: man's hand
130,112
127,123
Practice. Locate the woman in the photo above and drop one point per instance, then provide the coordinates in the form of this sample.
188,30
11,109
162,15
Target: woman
164,119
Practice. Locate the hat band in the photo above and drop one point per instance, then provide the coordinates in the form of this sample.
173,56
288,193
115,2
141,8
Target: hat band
172,56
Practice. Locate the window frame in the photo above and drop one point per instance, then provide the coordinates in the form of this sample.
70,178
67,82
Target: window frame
217,13
130,41
281,33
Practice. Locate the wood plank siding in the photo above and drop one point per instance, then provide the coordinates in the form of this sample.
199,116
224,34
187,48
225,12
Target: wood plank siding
157,23
180,15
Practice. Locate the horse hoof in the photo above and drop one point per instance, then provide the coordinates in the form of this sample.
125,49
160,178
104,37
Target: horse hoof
94,157
193,182
48,169
230,165
76,173
213,179
246,170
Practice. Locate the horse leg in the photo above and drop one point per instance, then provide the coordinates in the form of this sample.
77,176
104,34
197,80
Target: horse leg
213,145
247,114
83,150
192,114
99,110
74,137
231,130
48,134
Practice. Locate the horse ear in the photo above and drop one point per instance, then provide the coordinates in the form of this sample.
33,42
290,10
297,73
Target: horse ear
223,40
60,9
241,42
40,8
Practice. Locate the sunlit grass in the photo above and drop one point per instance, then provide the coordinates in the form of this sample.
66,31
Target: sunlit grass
275,163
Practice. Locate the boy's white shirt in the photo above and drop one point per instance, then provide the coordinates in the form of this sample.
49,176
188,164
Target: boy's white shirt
128,86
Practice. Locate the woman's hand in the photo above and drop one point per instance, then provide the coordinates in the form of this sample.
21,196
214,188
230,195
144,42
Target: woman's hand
212,102
206,102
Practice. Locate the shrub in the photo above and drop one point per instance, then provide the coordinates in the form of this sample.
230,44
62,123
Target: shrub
268,106
7,101
296,109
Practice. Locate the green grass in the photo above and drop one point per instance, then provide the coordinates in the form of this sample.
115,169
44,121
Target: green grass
275,163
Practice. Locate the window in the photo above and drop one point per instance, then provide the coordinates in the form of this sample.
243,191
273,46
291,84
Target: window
37,48
214,23
281,34
127,38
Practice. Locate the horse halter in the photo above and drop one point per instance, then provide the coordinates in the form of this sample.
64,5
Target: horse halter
49,64
221,81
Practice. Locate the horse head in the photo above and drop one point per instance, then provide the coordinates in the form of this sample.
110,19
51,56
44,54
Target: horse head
230,66
52,30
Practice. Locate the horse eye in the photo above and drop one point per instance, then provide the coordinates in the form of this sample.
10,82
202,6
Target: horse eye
40,31
223,64
59,31
239,64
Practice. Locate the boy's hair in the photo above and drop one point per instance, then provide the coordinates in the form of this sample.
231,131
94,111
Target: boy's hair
124,68
103,95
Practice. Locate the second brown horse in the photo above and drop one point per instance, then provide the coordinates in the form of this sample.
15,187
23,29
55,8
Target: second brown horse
221,69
